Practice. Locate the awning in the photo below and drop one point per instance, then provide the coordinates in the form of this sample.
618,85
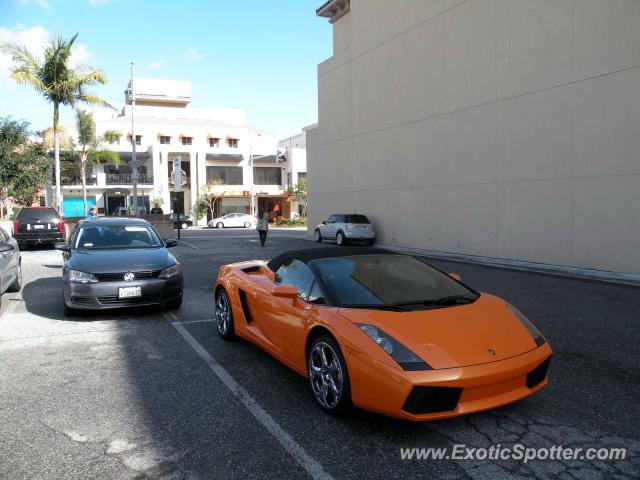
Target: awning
214,136
264,158
228,157
126,156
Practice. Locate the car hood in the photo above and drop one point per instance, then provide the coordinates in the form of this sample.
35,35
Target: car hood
455,336
116,261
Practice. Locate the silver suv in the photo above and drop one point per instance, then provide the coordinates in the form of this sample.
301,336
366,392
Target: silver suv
345,227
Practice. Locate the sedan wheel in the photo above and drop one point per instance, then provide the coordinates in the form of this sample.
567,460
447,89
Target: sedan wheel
247,225
224,316
317,236
220,225
328,375
184,225
340,239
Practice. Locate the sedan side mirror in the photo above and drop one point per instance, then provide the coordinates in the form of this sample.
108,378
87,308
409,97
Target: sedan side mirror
62,246
170,243
6,247
455,276
284,291
324,222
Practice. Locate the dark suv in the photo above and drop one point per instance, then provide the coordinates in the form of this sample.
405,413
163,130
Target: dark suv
38,226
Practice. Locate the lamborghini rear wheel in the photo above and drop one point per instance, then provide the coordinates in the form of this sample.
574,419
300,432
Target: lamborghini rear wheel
224,315
328,375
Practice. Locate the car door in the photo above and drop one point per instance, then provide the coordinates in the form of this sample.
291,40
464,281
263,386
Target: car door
328,230
288,321
7,254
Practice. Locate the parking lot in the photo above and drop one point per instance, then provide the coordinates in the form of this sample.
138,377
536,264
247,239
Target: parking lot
145,393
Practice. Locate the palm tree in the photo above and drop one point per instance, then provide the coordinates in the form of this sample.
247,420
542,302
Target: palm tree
59,83
90,151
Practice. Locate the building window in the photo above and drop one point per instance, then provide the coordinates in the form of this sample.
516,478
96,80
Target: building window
267,176
289,179
232,142
138,139
165,140
187,140
225,175
302,175
214,142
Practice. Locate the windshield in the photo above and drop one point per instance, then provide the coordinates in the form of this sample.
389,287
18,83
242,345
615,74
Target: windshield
389,280
106,237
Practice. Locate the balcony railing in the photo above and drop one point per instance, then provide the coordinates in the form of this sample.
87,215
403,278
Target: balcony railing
75,180
127,179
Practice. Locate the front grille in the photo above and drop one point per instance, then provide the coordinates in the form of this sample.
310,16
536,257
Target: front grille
83,300
432,400
538,374
114,300
116,277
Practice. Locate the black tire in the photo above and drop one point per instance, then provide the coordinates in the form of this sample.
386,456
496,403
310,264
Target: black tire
219,225
184,225
69,312
321,379
174,304
370,242
224,315
247,225
17,283
317,236
341,240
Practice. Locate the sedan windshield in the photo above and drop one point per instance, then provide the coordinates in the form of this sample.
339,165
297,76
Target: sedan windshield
396,281
106,237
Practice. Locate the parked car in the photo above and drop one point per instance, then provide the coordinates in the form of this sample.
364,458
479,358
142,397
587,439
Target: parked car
383,331
10,264
119,262
38,226
185,221
233,220
344,227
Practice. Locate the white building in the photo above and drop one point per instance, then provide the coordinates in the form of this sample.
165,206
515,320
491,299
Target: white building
498,128
294,151
215,146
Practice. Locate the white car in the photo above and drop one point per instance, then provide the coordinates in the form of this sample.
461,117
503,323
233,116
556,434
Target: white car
233,220
344,228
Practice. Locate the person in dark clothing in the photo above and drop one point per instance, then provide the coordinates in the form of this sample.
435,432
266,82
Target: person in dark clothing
262,225
156,210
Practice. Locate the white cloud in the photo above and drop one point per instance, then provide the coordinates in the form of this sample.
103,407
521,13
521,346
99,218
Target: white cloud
34,39
40,3
157,64
192,54
80,55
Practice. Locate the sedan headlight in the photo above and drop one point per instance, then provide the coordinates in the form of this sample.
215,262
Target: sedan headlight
401,354
81,277
171,271
526,323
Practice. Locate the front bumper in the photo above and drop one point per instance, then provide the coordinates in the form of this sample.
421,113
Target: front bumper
104,295
383,389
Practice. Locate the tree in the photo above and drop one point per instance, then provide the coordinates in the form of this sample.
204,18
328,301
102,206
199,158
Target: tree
31,176
57,82
212,192
112,136
14,138
298,192
90,151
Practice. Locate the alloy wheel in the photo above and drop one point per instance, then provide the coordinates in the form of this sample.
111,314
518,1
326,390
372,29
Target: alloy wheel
223,314
325,375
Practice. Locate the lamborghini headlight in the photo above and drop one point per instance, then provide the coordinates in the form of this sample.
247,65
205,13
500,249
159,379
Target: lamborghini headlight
76,276
401,354
526,323
171,271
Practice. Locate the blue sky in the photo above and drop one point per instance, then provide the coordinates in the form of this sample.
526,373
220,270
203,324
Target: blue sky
259,55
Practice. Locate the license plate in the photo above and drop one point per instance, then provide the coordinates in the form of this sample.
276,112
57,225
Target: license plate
129,292
38,227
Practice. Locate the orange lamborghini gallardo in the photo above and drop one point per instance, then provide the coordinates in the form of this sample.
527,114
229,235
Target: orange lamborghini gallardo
383,331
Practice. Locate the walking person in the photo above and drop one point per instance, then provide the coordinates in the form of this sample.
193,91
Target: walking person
262,225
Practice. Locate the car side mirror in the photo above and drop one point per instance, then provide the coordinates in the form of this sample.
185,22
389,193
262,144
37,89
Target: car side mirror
6,247
455,276
324,222
170,243
62,246
284,291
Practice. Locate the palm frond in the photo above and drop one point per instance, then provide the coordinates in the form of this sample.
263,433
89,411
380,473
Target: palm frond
92,99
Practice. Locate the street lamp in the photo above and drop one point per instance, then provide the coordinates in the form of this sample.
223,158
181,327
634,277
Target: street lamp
130,92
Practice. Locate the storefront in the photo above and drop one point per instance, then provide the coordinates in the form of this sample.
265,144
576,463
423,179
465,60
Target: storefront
276,206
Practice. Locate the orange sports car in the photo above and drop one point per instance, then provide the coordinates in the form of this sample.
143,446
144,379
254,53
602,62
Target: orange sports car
383,331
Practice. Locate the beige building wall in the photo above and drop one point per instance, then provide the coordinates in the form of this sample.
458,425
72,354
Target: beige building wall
500,128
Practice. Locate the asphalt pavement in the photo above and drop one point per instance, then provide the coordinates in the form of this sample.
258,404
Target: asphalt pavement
147,394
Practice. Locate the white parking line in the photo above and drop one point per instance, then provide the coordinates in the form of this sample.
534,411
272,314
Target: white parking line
288,443
188,244
206,320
